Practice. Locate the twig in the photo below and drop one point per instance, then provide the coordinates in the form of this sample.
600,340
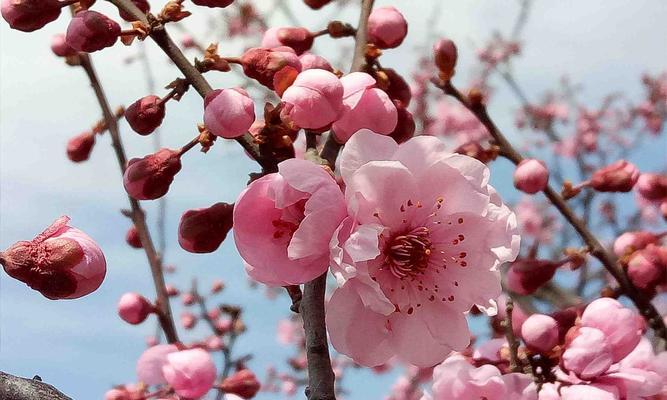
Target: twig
515,362
138,217
598,251
17,388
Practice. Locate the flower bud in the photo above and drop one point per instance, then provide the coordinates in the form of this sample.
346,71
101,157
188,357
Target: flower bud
299,39
540,333
445,55
228,113
647,268
188,320
386,27
151,362
80,146
398,88
316,4
203,230
30,15
191,373
133,308
60,47
61,263
217,286
314,100
588,355
149,178
132,238
213,3
263,64
620,176
91,31
524,277
172,290
142,5
652,186
630,242
531,176
622,326
117,394
243,383
188,299
405,125
145,114
312,61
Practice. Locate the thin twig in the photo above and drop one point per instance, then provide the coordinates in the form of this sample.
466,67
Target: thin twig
515,362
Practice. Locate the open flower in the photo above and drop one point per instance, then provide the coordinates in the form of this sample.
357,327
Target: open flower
283,223
425,236
61,263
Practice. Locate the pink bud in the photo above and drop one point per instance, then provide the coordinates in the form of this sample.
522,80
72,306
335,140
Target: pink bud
91,31
531,176
61,263
213,313
60,47
150,363
145,114
149,178
652,186
188,320
366,107
228,112
142,5
316,4
171,290
632,241
223,325
203,230
117,394
217,286
386,27
622,326
445,55
80,146
312,61
133,308
588,355
524,277
30,15
190,373
215,343
540,333
398,88
405,124
213,3
188,42
243,383
262,64
648,267
132,238
188,299
300,39
620,176
314,100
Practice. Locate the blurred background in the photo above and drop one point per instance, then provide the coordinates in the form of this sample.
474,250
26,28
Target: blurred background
81,346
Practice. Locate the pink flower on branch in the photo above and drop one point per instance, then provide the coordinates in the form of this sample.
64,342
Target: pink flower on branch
422,245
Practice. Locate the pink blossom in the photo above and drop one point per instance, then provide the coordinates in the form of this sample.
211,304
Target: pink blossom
629,242
414,255
622,326
535,220
531,176
456,379
366,107
91,31
589,355
228,112
314,100
283,223
188,320
620,176
60,47
203,230
133,308
146,114
243,383
269,66
445,55
132,238
290,332
313,61
190,373
30,15
526,276
387,27
61,262
79,147
150,363
652,187
454,120
540,332
647,268
299,39
149,178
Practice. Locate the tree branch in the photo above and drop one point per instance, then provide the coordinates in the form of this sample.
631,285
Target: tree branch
17,388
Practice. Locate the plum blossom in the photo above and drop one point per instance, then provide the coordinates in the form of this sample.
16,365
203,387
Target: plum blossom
283,223
190,373
314,100
422,244
454,120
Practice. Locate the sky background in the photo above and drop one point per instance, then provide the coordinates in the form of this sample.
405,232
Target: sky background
81,346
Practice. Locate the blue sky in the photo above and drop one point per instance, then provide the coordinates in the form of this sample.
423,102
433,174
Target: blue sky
81,346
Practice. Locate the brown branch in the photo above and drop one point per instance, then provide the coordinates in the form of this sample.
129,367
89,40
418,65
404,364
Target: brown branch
515,362
138,217
607,259
17,388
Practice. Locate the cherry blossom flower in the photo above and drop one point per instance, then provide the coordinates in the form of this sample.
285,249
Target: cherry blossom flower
190,373
62,262
415,253
314,100
228,113
283,223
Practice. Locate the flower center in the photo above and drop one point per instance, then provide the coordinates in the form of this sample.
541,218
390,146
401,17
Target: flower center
408,254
